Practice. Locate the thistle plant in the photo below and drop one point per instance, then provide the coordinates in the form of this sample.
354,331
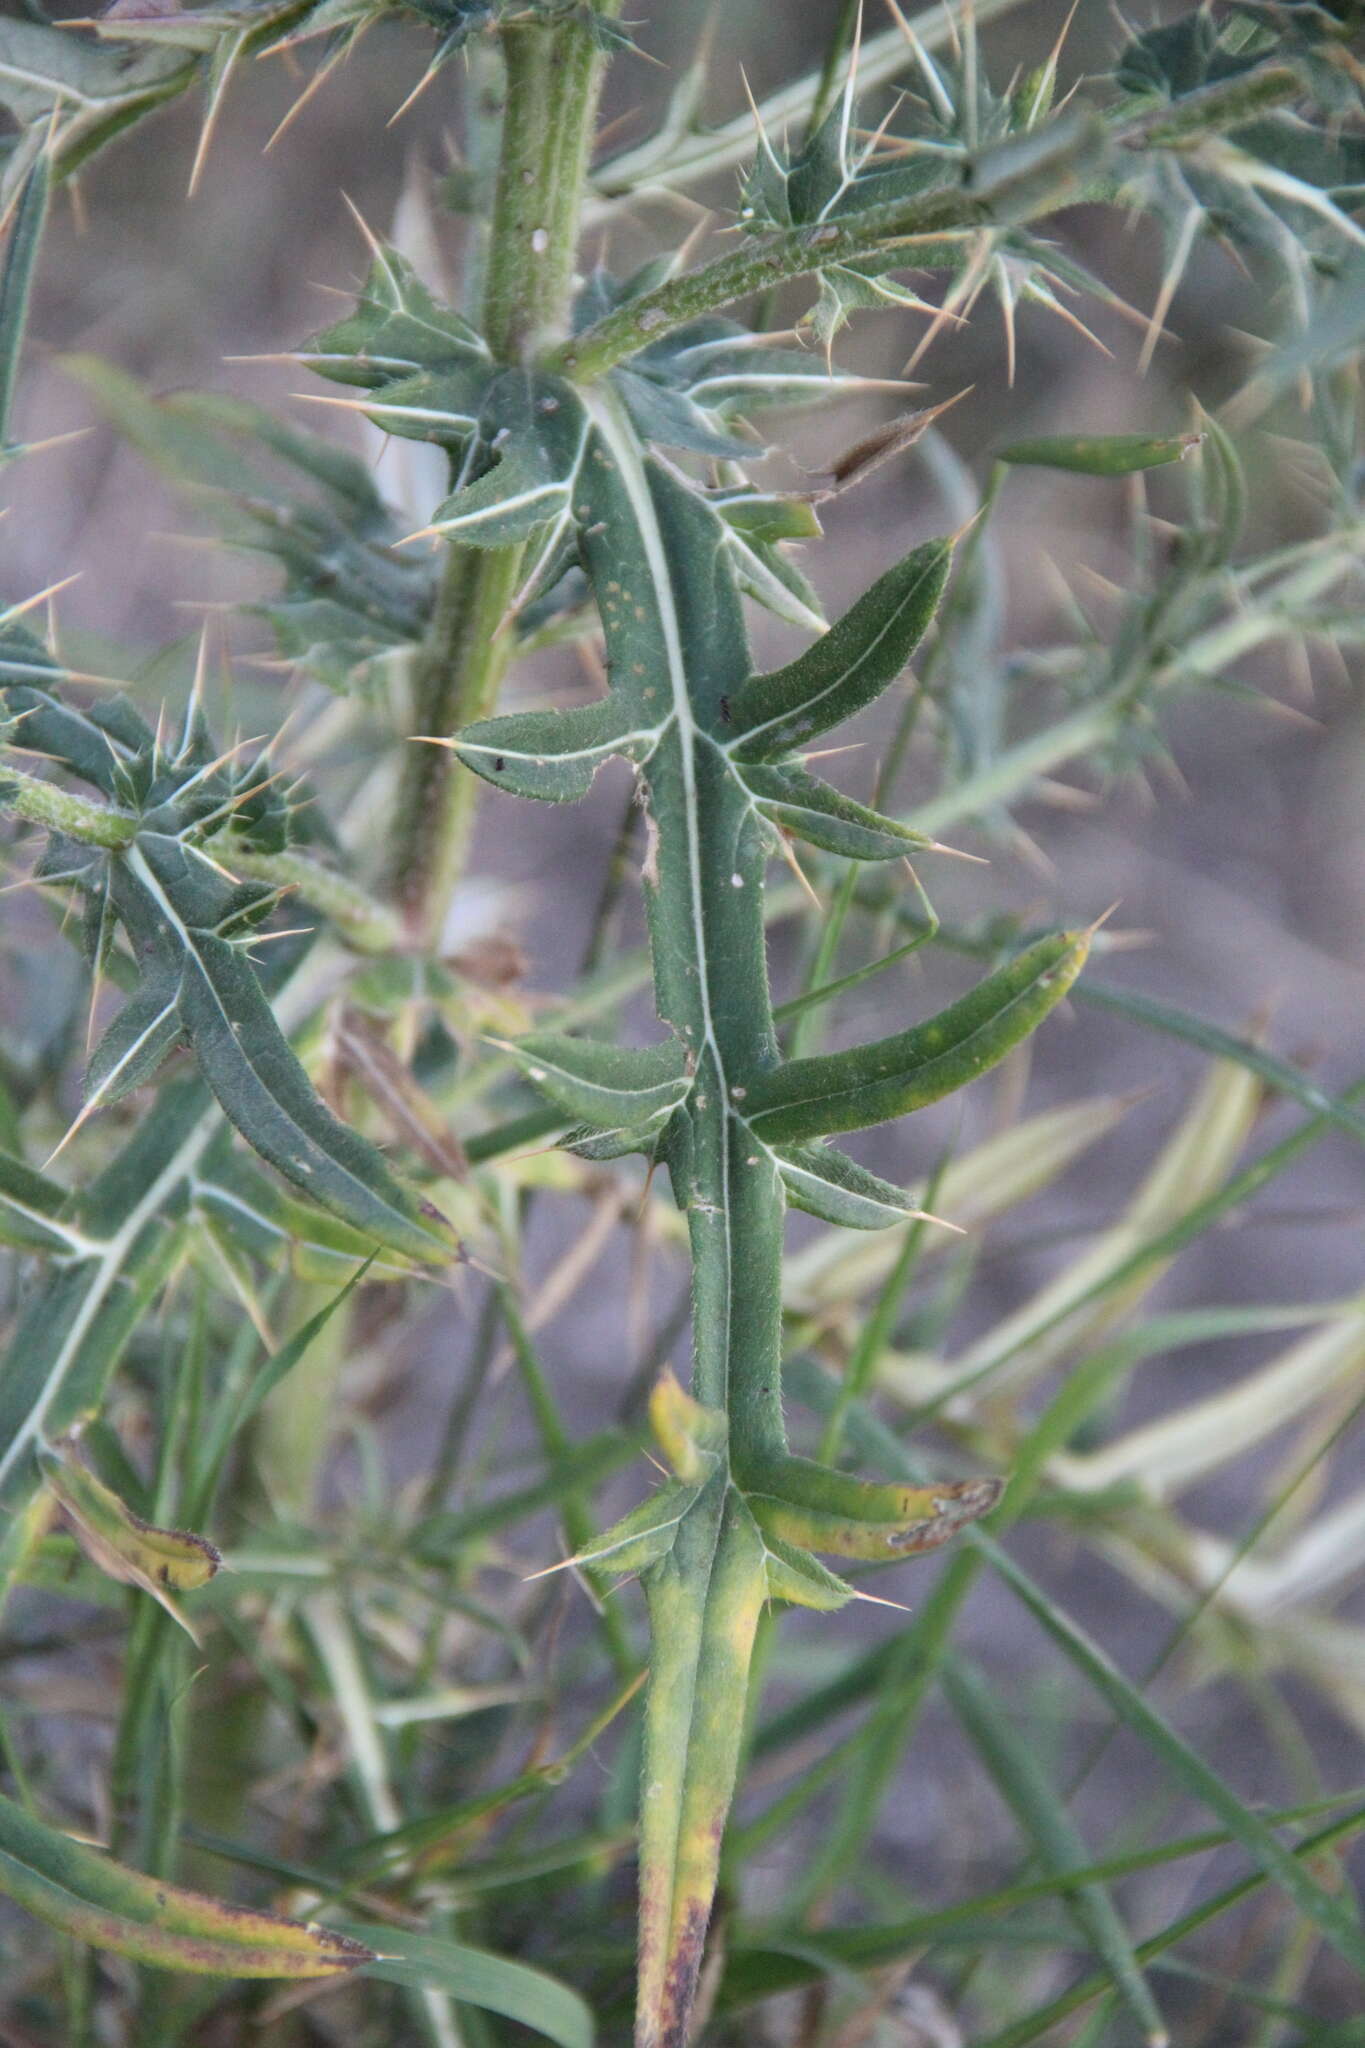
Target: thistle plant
274,1006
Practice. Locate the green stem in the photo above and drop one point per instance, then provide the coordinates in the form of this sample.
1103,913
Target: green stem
366,924
553,80
79,817
1014,184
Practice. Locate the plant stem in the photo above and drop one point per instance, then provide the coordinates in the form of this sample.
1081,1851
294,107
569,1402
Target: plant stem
1025,184
79,817
1015,183
553,79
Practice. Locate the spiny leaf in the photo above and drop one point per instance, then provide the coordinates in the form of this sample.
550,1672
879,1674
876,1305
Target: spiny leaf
90,1898
538,444
16,280
1100,454
848,668
73,1332
832,1186
826,817
612,1087
553,755
139,1039
93,89
397,331
31,1208
164,896
869,1083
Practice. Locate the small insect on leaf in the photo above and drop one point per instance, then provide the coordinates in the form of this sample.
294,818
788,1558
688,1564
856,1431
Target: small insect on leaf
123,1546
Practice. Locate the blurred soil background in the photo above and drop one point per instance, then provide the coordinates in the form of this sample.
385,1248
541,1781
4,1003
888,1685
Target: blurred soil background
1243,863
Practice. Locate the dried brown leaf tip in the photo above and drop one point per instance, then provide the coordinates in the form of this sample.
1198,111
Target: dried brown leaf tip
857,463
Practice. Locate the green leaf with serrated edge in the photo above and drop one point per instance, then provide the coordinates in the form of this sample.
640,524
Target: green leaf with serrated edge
443,408
93,90
811,809
846,1091
138,1040
795,1576
667,574
31,1209
830,1185
78,1321
552,755
254,1214
613,1087
537,435
247,1062
1100,454
396,331
860,655
16,281
122,1544
95,1900
643,1536
771,578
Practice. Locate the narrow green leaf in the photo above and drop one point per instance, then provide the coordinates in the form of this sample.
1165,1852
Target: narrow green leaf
1056,1841
611,1087
30,1209
760,515
141,1036
16,282
1100,454
849,667
251,1213
438,1537
819,1508
766,1969
76,1324
830,1185
1330,1914
233,1415
1182,1024
704,1598
870,1083
474,1977
1041,2024
246,1060
795,1576
91,1898
553,755
811,809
